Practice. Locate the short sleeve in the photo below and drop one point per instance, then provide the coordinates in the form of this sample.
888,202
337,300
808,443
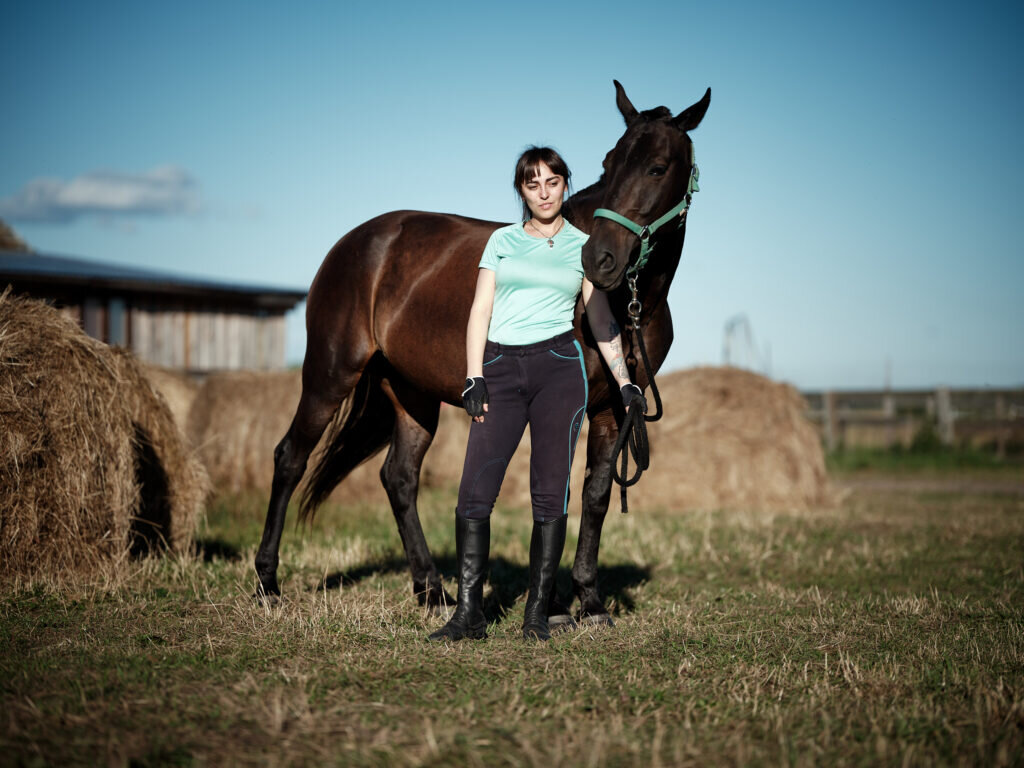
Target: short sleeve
490,258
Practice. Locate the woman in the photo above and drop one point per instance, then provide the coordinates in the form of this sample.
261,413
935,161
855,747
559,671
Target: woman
524,366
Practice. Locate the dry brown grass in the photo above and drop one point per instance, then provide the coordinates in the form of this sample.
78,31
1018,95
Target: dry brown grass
92,464
889,632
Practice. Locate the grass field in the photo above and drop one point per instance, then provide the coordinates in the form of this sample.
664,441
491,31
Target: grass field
888,631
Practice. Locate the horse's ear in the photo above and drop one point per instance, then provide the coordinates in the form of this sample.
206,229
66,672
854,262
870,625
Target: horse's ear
624,104
690,117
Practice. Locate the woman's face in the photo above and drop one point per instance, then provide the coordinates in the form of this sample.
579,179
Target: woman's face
543,193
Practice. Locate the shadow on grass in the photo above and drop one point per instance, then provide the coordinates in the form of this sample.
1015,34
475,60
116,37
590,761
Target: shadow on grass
509,582
355,575
210,549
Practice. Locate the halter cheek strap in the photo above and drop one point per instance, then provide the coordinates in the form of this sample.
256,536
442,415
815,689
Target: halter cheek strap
645,232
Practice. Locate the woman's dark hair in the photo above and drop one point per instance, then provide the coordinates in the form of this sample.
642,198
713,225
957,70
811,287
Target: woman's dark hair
528,166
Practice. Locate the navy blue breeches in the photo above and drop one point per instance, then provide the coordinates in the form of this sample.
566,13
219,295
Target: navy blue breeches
543,385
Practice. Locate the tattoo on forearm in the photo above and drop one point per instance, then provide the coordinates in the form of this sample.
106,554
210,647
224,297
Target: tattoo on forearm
618,362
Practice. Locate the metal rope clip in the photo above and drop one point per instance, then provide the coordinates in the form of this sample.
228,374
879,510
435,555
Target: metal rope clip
634,307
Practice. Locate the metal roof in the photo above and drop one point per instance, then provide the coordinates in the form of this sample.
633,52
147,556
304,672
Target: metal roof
43,269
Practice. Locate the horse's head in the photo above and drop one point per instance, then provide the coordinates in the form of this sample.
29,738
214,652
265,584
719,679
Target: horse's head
646,175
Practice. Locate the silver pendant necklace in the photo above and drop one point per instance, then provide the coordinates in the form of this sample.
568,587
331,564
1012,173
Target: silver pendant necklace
551,237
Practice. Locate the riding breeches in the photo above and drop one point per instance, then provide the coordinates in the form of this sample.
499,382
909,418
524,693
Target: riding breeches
543,385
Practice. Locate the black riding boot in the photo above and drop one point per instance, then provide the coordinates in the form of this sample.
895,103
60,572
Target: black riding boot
546,546
472,544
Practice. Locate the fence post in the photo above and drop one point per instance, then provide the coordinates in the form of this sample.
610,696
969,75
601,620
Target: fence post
944,408
1001,427
889,414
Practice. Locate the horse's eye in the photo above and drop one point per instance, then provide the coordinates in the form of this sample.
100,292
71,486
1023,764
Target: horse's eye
657,170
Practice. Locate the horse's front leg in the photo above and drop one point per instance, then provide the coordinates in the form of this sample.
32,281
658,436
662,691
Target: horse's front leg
597,487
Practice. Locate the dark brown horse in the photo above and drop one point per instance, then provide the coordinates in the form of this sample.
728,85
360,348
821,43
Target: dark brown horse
386,325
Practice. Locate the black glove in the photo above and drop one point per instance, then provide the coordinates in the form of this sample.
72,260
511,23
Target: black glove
633,396
474,396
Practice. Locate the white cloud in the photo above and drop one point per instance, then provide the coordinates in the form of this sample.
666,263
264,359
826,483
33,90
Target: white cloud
165,190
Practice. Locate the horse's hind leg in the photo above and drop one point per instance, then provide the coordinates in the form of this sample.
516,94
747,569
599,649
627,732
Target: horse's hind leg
316,407
416,417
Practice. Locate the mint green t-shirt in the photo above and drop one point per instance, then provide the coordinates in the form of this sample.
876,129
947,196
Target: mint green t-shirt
536,285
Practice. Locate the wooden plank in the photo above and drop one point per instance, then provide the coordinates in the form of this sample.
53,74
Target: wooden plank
234,342
189,337
946,415
275,342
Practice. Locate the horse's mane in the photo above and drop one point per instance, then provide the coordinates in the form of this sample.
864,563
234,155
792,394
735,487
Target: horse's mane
647,116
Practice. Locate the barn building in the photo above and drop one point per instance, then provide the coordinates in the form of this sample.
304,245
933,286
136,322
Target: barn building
165,319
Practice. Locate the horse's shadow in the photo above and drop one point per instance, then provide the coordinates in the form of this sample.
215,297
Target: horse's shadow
211,549
509,582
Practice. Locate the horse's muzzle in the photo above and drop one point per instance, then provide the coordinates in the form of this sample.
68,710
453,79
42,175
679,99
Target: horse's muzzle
604,270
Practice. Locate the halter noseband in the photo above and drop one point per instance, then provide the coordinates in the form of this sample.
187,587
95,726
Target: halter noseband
645,232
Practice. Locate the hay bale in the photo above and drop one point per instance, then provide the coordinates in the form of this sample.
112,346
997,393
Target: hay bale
178,389
236,420
733,439
730,439
239,417
173,481
91,462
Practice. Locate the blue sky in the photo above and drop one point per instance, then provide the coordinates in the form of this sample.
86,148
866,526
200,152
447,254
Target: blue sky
859,169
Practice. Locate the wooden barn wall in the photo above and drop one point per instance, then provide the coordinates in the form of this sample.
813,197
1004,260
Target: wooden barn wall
207,339
187,333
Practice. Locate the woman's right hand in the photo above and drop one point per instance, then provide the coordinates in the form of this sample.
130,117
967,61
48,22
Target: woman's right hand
474,397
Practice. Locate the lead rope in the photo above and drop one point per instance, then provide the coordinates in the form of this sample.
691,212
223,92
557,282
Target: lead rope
633,430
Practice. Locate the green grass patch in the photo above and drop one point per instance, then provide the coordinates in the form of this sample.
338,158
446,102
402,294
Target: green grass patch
888,631
934,458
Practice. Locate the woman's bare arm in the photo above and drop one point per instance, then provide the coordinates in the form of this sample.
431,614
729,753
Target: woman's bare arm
479,323
606,331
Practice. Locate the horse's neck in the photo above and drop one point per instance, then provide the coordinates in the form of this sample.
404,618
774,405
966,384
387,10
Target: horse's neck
579,208
652,287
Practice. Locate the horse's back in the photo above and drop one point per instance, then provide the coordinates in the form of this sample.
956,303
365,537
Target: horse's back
401,283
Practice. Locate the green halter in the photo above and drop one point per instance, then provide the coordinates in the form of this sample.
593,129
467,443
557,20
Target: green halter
644,233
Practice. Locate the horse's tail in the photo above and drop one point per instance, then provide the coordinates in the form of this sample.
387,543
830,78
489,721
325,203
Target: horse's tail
359,429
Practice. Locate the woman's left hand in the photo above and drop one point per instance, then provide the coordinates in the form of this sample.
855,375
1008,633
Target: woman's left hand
633,395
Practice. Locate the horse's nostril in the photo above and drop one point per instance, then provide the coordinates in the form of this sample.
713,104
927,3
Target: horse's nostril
606,262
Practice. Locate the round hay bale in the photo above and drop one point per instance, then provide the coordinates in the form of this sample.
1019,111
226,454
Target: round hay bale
92,465
239,417
732,439
236,420
178,389
729,439
173,482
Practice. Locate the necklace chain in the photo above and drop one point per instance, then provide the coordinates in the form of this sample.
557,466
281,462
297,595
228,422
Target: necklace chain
549,238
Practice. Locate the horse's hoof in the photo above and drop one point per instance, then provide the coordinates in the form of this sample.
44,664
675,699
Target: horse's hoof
596,620
442,605
443,611
561,623
267,592
269,599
